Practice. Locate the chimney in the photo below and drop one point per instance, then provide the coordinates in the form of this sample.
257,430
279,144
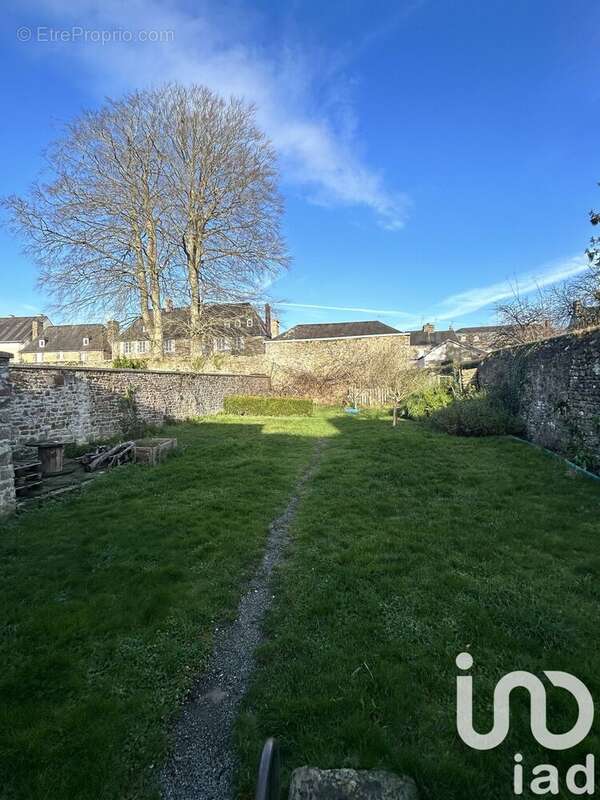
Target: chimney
35,328
168,304
428,327
274,328
268,319
112,330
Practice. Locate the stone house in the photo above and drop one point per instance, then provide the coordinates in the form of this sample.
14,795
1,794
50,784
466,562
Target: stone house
17,332
318,347
424,340
481,337
485,337
68,344
228,329
582,317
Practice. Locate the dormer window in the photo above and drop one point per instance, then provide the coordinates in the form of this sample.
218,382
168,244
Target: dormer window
249,322
227,323
86,341
42,343
238,323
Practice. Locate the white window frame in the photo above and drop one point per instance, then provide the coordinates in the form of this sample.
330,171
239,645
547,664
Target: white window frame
42,343
61,355
249,322
169,345
39,358
221,344
238,323
240,343
227,323
86,341
127,348
83,357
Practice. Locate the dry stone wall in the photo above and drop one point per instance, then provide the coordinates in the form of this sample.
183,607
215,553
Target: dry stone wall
82,404
7,478
555,388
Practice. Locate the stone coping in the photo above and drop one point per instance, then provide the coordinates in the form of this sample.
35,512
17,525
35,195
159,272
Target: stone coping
61,368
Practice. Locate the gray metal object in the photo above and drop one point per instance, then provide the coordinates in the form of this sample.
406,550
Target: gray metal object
267,785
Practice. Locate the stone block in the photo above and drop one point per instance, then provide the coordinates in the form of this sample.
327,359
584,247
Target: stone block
309,783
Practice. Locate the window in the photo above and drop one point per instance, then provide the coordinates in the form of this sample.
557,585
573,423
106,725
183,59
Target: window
86,341
83,357
239,342
61,356
39,357
238,323
42,343
227,323
221,344
249,323
143,346
128,347
169,346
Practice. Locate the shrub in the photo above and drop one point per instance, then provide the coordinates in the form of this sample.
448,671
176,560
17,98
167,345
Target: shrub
124,362
424,403
267,406
478,415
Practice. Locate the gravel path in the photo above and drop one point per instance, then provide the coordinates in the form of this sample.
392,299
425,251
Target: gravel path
201,764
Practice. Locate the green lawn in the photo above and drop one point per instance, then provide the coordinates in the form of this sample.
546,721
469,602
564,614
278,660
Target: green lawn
410,547
109,600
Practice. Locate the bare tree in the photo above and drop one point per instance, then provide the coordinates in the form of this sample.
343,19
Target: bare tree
95,227
528,319
167,192
224,208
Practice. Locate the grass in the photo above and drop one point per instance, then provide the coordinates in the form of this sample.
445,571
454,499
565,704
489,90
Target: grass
109,600
410,547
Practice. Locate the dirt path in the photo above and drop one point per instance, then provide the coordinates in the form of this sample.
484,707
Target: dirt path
202,762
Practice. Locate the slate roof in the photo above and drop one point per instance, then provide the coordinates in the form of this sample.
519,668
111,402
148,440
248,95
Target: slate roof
177,321
475,352
17,329
483,329
420,338
62,338
337,330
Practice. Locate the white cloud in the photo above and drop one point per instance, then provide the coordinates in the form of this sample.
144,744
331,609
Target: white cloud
457,305
217,47
379,311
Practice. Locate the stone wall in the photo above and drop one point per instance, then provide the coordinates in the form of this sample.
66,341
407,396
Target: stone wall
362,354
555,387
81,404
7,477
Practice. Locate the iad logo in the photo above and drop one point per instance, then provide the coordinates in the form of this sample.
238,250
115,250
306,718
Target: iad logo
546,778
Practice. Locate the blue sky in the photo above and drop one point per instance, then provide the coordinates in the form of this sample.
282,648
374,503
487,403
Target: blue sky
434,153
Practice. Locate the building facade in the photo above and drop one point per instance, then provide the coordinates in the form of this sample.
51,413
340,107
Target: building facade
17,332
69,345
227,329
325,347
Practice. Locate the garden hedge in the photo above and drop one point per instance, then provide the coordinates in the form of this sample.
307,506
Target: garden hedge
258,406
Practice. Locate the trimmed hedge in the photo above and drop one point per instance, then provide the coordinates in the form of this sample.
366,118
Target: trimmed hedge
258,406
